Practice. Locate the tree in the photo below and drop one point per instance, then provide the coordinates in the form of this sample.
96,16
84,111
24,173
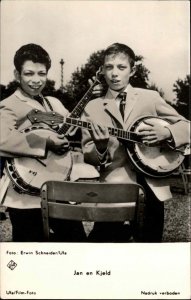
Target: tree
65,99
6,91
49,88
141,76
3,92
182,102
153,86
78,85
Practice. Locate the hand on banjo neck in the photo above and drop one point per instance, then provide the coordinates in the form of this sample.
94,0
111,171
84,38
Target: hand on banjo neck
155,159
149,133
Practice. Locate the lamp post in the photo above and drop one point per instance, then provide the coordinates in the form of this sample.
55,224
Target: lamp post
62,75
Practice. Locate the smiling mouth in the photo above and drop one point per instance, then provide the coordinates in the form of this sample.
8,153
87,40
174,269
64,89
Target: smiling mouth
35,87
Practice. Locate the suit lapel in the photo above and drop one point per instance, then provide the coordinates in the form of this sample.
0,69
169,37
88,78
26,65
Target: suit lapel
111,108
132,97
34,104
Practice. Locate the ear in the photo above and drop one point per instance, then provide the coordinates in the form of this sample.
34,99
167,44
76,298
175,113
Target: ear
17,75
133,70
101,70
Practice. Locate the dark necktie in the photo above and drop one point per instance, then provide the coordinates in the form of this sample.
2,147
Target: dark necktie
39,99
122,97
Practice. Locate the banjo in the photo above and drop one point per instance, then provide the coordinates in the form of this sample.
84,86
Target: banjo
155,161
29,173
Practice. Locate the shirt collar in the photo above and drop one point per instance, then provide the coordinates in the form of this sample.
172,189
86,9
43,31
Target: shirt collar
23,96
116,93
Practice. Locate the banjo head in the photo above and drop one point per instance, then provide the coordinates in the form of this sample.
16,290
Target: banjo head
155,161
28,174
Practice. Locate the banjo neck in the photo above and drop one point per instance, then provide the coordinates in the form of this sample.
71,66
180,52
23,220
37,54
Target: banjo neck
116,132
81,104
53,118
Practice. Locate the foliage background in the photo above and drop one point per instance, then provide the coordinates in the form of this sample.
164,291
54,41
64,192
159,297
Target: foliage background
78,85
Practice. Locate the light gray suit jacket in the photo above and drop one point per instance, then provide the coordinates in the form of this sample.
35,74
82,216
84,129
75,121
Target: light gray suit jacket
13,143
139,103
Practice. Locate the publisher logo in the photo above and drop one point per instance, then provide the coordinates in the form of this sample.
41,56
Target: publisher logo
12,265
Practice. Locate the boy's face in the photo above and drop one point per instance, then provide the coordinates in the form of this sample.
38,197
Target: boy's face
32,78
117,71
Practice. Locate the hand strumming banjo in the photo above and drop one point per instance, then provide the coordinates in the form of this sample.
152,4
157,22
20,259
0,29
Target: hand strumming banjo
29,173
154,161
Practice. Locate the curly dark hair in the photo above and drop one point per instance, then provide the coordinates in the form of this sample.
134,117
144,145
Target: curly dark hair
32,52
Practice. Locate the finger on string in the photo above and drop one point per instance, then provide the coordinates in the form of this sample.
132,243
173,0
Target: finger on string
94,136
90,82
145,128
65,145
96,94
61,136
55,127
102,128
152,143
149,142
98,87
97,90
94,132
144,133
98,127
151,137
148,123
149,133
72,130
105,131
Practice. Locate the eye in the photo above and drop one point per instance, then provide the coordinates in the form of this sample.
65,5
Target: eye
28,74
42,74
108,67
122,67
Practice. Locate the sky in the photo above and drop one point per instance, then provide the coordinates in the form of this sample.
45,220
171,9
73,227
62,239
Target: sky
73,30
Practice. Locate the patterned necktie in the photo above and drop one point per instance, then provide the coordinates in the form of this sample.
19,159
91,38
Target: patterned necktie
122,97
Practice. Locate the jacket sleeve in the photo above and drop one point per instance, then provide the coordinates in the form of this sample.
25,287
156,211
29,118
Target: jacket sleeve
14,143
178,125
91,155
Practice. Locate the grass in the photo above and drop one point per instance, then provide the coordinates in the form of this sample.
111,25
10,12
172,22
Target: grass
177,224
177,216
